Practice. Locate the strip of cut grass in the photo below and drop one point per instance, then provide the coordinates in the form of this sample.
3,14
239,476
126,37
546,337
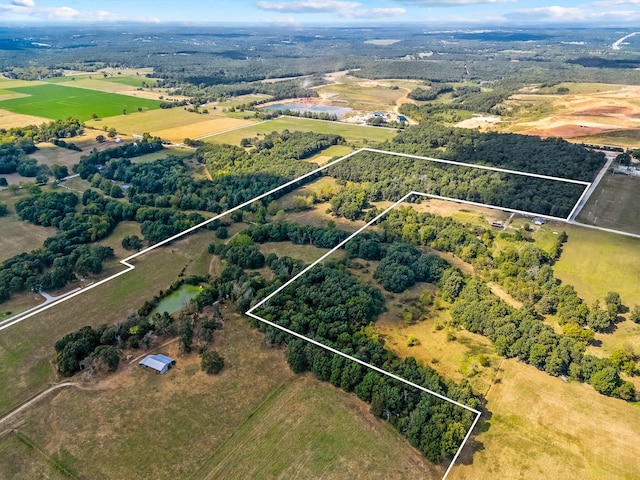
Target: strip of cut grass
311,430
58,102
357,134
612,205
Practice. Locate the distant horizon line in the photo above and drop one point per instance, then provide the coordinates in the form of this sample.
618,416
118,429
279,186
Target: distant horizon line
441,25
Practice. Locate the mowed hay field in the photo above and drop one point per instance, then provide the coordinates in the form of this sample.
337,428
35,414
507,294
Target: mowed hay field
173,124
541,427
614,204
309,429
10,119
596,262
59,102
357,134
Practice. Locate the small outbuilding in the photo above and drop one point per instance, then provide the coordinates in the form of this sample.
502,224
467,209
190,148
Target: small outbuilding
160,363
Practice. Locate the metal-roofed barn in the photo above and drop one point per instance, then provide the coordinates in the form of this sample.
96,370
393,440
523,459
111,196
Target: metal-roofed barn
160,363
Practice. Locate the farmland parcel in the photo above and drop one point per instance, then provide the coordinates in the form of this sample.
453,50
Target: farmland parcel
58,102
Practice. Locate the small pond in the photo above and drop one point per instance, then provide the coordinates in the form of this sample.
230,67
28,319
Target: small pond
303,107
177,300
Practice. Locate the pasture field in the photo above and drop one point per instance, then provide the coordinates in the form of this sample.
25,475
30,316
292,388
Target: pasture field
8,83
164,153
541,427
241,99
308,429
357,134
97,83
207,127
58,102
21,460
151,121
307,253
144,425
49,154
596,262
10,119
26,349
18,236
612,205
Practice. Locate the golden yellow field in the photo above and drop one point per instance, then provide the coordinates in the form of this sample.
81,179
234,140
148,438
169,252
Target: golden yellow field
9,119
206,127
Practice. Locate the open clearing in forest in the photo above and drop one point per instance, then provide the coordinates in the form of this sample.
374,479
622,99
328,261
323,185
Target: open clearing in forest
357,134
614,204
309,429
59,102
18,236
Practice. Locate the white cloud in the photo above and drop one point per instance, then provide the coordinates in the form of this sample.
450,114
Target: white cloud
24,3
448,3
559,14
336,7
29,9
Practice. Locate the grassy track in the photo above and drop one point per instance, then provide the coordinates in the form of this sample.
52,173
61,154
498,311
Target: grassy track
58,102
357,134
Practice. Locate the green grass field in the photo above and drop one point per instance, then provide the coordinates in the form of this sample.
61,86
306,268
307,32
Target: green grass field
596,262
357,134
307,429
613,204
58,102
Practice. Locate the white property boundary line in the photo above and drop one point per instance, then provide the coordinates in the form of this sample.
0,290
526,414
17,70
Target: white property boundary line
126,262
349,357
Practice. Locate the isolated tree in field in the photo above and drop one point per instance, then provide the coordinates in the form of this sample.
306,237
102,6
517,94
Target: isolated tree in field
597,319
635,314
211,362
139,109
59,171
94,116
613,302
124,111
131,242
3,209
112,132
3,182
101,139
222,233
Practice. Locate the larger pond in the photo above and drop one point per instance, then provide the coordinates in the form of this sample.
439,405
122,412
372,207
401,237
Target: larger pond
177,300
303,107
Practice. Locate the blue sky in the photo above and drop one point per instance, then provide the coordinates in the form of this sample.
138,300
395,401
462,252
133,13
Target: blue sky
312,12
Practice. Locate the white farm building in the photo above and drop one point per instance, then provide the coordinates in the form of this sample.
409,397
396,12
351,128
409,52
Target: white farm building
160,363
